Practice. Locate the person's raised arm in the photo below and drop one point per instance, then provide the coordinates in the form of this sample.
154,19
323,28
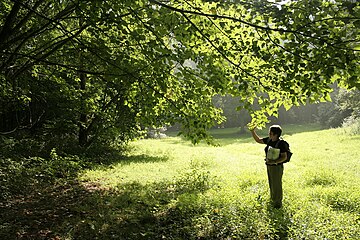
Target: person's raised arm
255,136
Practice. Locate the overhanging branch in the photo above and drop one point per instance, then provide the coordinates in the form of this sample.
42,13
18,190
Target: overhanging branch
234,19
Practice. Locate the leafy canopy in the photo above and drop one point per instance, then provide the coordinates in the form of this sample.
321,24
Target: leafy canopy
110,69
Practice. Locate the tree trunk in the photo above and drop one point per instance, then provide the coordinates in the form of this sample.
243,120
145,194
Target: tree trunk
83,130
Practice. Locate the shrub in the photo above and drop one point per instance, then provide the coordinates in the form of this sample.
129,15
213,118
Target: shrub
352,125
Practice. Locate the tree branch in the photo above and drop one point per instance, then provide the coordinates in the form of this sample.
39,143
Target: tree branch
281,30
69,67
223,54
215,16
7,30
23,21
56,45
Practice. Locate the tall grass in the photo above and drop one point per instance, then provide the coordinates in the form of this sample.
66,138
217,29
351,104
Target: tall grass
202,192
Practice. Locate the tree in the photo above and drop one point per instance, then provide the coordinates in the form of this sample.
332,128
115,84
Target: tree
284,51
350,100
233,118
105,70
343,109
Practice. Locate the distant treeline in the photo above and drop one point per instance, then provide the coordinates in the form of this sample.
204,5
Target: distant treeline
345,107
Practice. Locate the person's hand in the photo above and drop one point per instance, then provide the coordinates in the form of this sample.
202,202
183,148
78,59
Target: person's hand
270,162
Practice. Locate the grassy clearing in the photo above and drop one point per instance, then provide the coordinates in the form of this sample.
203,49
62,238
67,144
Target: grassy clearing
169,189
220,192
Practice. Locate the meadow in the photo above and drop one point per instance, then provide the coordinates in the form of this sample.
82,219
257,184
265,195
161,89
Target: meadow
170,189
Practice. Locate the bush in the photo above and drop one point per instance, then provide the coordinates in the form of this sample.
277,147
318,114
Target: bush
20,174
329,115
344,108
352,125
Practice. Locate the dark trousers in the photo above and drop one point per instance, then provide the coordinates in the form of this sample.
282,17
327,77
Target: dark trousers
275,174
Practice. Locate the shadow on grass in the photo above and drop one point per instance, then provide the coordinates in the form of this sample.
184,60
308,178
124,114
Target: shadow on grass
280,222
42,198
163,210
75,210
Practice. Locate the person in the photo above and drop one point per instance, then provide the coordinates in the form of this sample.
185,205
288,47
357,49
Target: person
275,167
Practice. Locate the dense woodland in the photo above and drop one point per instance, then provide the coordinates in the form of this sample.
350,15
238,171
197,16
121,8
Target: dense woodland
81,75
102,72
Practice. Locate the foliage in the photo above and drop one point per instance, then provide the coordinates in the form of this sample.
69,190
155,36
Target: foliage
27,164
102,72
350,101
20,176
343,110
233,116
352,125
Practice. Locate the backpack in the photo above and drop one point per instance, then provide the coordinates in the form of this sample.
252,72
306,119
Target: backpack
288,152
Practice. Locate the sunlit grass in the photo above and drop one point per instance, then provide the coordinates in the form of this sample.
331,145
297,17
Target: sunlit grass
221,192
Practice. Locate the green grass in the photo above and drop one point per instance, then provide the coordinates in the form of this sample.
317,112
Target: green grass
220,192
170,189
